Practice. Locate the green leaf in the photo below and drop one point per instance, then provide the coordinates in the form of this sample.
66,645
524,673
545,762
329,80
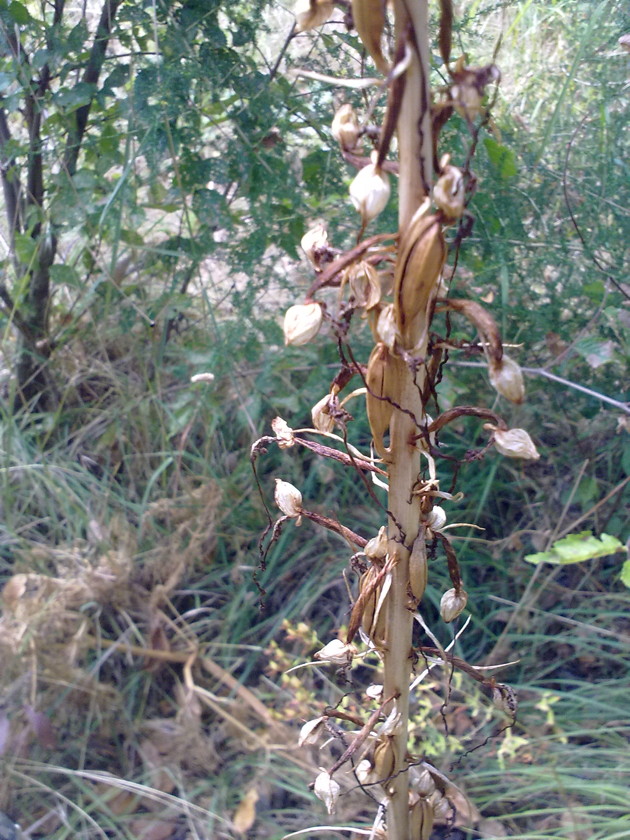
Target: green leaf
625,574
25,248
501,158
595,352
576,548
19,13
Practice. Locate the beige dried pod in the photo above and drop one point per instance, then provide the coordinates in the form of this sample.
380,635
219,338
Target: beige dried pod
311,13
422,781
452,604
384,759
365,285
370,191
364,772
372,616
322,420
504,698
314,243
376,548
302,323
327,789
515,443
369,21
345,127
386,329
420,820
506,378
311,731
418,571
421,258
384,376
288,498
448,192
283,432
336,652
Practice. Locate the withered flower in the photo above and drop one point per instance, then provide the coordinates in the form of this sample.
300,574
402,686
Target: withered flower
345,127
370,191
452,604
302,323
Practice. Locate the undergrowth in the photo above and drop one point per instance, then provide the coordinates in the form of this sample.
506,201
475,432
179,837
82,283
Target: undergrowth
144,691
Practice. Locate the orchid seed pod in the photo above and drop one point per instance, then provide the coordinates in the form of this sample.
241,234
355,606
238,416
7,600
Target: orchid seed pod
345,127
515,443
376,548
314,243
384,759
507,379
504,698
442,809
448,193
421,820
310,732
364,771
436,518
418,571
288,498
365,285
422,781
386,330
336,652
384,375
373,618
322,420
418,270
283,432
374,691
327,789
370,191
311,13
369,21
302,323
452,604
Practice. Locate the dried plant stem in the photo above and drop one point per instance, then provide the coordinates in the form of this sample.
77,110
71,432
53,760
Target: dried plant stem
415,156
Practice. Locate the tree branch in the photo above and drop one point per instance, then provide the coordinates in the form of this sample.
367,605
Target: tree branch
90,76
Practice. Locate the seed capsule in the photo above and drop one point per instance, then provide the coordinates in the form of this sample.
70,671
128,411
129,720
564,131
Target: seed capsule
448,193
452,604
302,323
345,127
506,378
288,498
327,789
370,191
383,378
322,420
421,259
515,443
418,567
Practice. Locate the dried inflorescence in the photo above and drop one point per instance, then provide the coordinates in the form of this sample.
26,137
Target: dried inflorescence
397,282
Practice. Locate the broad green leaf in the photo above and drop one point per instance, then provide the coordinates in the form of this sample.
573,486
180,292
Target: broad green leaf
25,248
19,13
625,574
576,548
502,158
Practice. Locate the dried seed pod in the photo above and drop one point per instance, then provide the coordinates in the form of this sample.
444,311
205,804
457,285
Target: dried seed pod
345,127
369,21
448,192
515,443
420,820
418,571
421,258
336,652
288,498
507,379
283,432
310,732
367,609
327,789
311,13
364,772
384,376
322,420
365,285
314,243
302,323
370,191
384,759
376,548
452,604
504,698
386,330
422,781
